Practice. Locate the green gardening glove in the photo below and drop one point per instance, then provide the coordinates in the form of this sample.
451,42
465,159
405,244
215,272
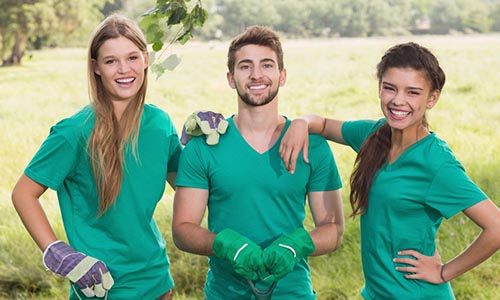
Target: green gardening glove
244,255
282,255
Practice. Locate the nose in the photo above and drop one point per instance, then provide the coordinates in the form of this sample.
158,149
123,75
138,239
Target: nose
123,67
398,98
256,73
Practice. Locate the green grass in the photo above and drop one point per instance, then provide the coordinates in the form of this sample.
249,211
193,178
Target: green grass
329,77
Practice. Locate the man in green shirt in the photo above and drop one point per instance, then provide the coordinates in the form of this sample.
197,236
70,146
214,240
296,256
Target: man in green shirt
255,207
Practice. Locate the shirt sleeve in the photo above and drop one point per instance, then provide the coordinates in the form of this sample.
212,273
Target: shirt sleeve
452,190
324,175
192,170
355,133
54,160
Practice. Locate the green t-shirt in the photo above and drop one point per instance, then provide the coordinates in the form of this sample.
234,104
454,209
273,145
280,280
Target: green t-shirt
406,204
126,238
253,194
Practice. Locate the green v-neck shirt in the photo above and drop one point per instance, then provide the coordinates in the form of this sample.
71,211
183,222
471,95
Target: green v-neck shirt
406,204
253,194
126,237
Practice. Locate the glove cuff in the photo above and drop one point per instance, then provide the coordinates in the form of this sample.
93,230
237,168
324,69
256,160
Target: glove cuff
46,252
223,243
303,241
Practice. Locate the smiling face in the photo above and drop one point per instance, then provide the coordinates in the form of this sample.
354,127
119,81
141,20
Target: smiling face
120,65
256,75
405,95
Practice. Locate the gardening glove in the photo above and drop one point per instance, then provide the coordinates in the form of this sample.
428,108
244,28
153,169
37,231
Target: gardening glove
244,255
89,274
208,123
282,255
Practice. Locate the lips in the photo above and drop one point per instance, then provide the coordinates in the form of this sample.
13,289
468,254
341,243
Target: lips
399,113
257,87
125,80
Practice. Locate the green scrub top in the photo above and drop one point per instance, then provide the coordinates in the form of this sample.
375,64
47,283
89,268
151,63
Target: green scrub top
406,204
253,194
126,237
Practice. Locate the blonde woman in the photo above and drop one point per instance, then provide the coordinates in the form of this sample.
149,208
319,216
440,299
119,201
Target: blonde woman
108,163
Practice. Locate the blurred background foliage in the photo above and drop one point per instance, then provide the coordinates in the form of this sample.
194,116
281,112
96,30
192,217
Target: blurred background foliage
27,25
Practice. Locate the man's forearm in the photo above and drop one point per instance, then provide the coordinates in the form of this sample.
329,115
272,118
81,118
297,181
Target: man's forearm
193,239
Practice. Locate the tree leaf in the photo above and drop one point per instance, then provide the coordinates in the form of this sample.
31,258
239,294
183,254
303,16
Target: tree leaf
157,46
171,62
158,70
184,37
177,15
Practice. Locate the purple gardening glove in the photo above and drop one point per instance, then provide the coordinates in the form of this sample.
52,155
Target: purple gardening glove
89,274
209,123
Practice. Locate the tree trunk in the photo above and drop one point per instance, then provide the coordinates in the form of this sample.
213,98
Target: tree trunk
17,50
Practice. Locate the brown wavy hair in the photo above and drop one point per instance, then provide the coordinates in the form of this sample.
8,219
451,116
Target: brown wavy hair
374,152
110,136
255,35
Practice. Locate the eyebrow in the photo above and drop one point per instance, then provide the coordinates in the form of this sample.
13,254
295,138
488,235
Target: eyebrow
128,54
246,61
410,87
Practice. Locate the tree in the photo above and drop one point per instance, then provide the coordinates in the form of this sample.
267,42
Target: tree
444,16
239,14
296,18
388,17
495,16
112,6
171,21
14,27
473,16
350,18
357,16
28,24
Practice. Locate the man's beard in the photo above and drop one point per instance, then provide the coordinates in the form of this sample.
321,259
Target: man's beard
247,98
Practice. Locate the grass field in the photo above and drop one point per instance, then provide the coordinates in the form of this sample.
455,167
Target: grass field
329,77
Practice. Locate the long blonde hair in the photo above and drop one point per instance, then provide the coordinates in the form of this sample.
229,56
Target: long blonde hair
110,136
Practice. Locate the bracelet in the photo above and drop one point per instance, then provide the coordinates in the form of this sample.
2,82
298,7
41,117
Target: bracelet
324,126
441,273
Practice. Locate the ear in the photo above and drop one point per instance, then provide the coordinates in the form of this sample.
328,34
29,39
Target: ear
96,67
283,77
146,59
230,80
433,99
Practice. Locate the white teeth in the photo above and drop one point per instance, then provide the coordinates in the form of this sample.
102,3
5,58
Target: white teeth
256,87
400,113
126,80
